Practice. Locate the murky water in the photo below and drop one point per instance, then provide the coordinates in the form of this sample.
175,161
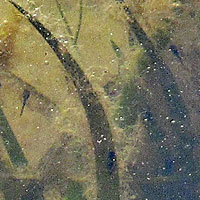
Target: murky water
99,100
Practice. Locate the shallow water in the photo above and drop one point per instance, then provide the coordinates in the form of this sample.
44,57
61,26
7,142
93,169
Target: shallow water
99,100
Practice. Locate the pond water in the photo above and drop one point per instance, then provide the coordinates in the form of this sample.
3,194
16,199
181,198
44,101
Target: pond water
99,100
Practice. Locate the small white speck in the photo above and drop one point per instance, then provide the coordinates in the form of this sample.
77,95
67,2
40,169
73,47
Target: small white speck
121,118
46,62
173,121
99,141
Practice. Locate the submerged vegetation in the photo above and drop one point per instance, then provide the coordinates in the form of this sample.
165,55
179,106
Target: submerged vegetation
110,109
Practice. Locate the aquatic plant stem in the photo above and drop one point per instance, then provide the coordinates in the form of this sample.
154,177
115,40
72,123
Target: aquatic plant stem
80,22
162,82
107,181
11,144
64,19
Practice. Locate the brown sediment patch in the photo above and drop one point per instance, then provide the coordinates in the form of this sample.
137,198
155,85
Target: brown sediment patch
5,51
9,27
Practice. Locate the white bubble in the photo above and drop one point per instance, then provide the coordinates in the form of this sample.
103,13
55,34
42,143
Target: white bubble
173,121
46,62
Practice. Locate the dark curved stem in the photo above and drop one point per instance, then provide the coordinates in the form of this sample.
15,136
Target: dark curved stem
107,178
161,78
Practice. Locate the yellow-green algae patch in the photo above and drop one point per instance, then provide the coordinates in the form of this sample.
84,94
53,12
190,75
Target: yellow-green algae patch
34,62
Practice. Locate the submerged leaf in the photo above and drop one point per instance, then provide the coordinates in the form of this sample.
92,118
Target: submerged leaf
12,146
